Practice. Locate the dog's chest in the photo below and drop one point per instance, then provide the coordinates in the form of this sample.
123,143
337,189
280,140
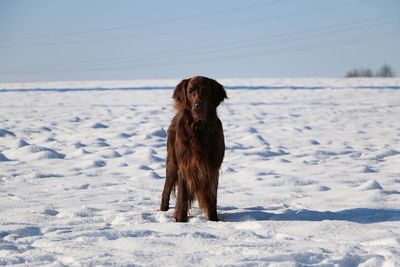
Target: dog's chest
201,140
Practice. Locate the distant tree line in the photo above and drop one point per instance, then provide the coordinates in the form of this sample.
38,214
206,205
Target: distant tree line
385,71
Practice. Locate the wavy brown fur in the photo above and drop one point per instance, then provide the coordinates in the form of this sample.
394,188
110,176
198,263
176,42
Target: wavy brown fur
195,147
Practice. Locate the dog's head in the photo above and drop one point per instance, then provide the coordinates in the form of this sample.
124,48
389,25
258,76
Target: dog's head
199,95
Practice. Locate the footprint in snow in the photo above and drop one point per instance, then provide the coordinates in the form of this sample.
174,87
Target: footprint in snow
314,142
27,231
50,212
43,175
99,125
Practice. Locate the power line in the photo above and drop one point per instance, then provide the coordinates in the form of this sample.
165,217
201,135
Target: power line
144,24
386,35
191,30
252,43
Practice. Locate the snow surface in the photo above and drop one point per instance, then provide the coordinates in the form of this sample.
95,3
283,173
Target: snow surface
311,176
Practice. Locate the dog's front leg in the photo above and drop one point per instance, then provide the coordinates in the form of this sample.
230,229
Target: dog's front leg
170,181
182,201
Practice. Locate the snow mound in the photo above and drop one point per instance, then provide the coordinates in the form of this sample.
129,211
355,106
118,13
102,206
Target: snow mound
368,169
154,175
22,143
149,154
370,185
4,132
387,153
159,133
34,152
3,158
78,153
111,154
125,135
92,164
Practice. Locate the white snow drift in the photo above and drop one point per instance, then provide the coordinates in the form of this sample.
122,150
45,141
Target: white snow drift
311,175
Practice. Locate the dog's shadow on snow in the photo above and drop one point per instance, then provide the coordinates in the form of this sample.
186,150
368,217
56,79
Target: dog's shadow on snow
359,215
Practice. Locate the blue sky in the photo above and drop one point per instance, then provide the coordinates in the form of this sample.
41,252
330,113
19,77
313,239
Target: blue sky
53,40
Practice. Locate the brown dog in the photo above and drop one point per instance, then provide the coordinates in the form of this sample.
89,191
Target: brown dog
195,147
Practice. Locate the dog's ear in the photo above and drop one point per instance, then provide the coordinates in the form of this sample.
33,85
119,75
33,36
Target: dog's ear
218,93
180,92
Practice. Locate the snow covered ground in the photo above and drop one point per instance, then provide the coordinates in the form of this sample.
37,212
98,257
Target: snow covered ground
311,175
